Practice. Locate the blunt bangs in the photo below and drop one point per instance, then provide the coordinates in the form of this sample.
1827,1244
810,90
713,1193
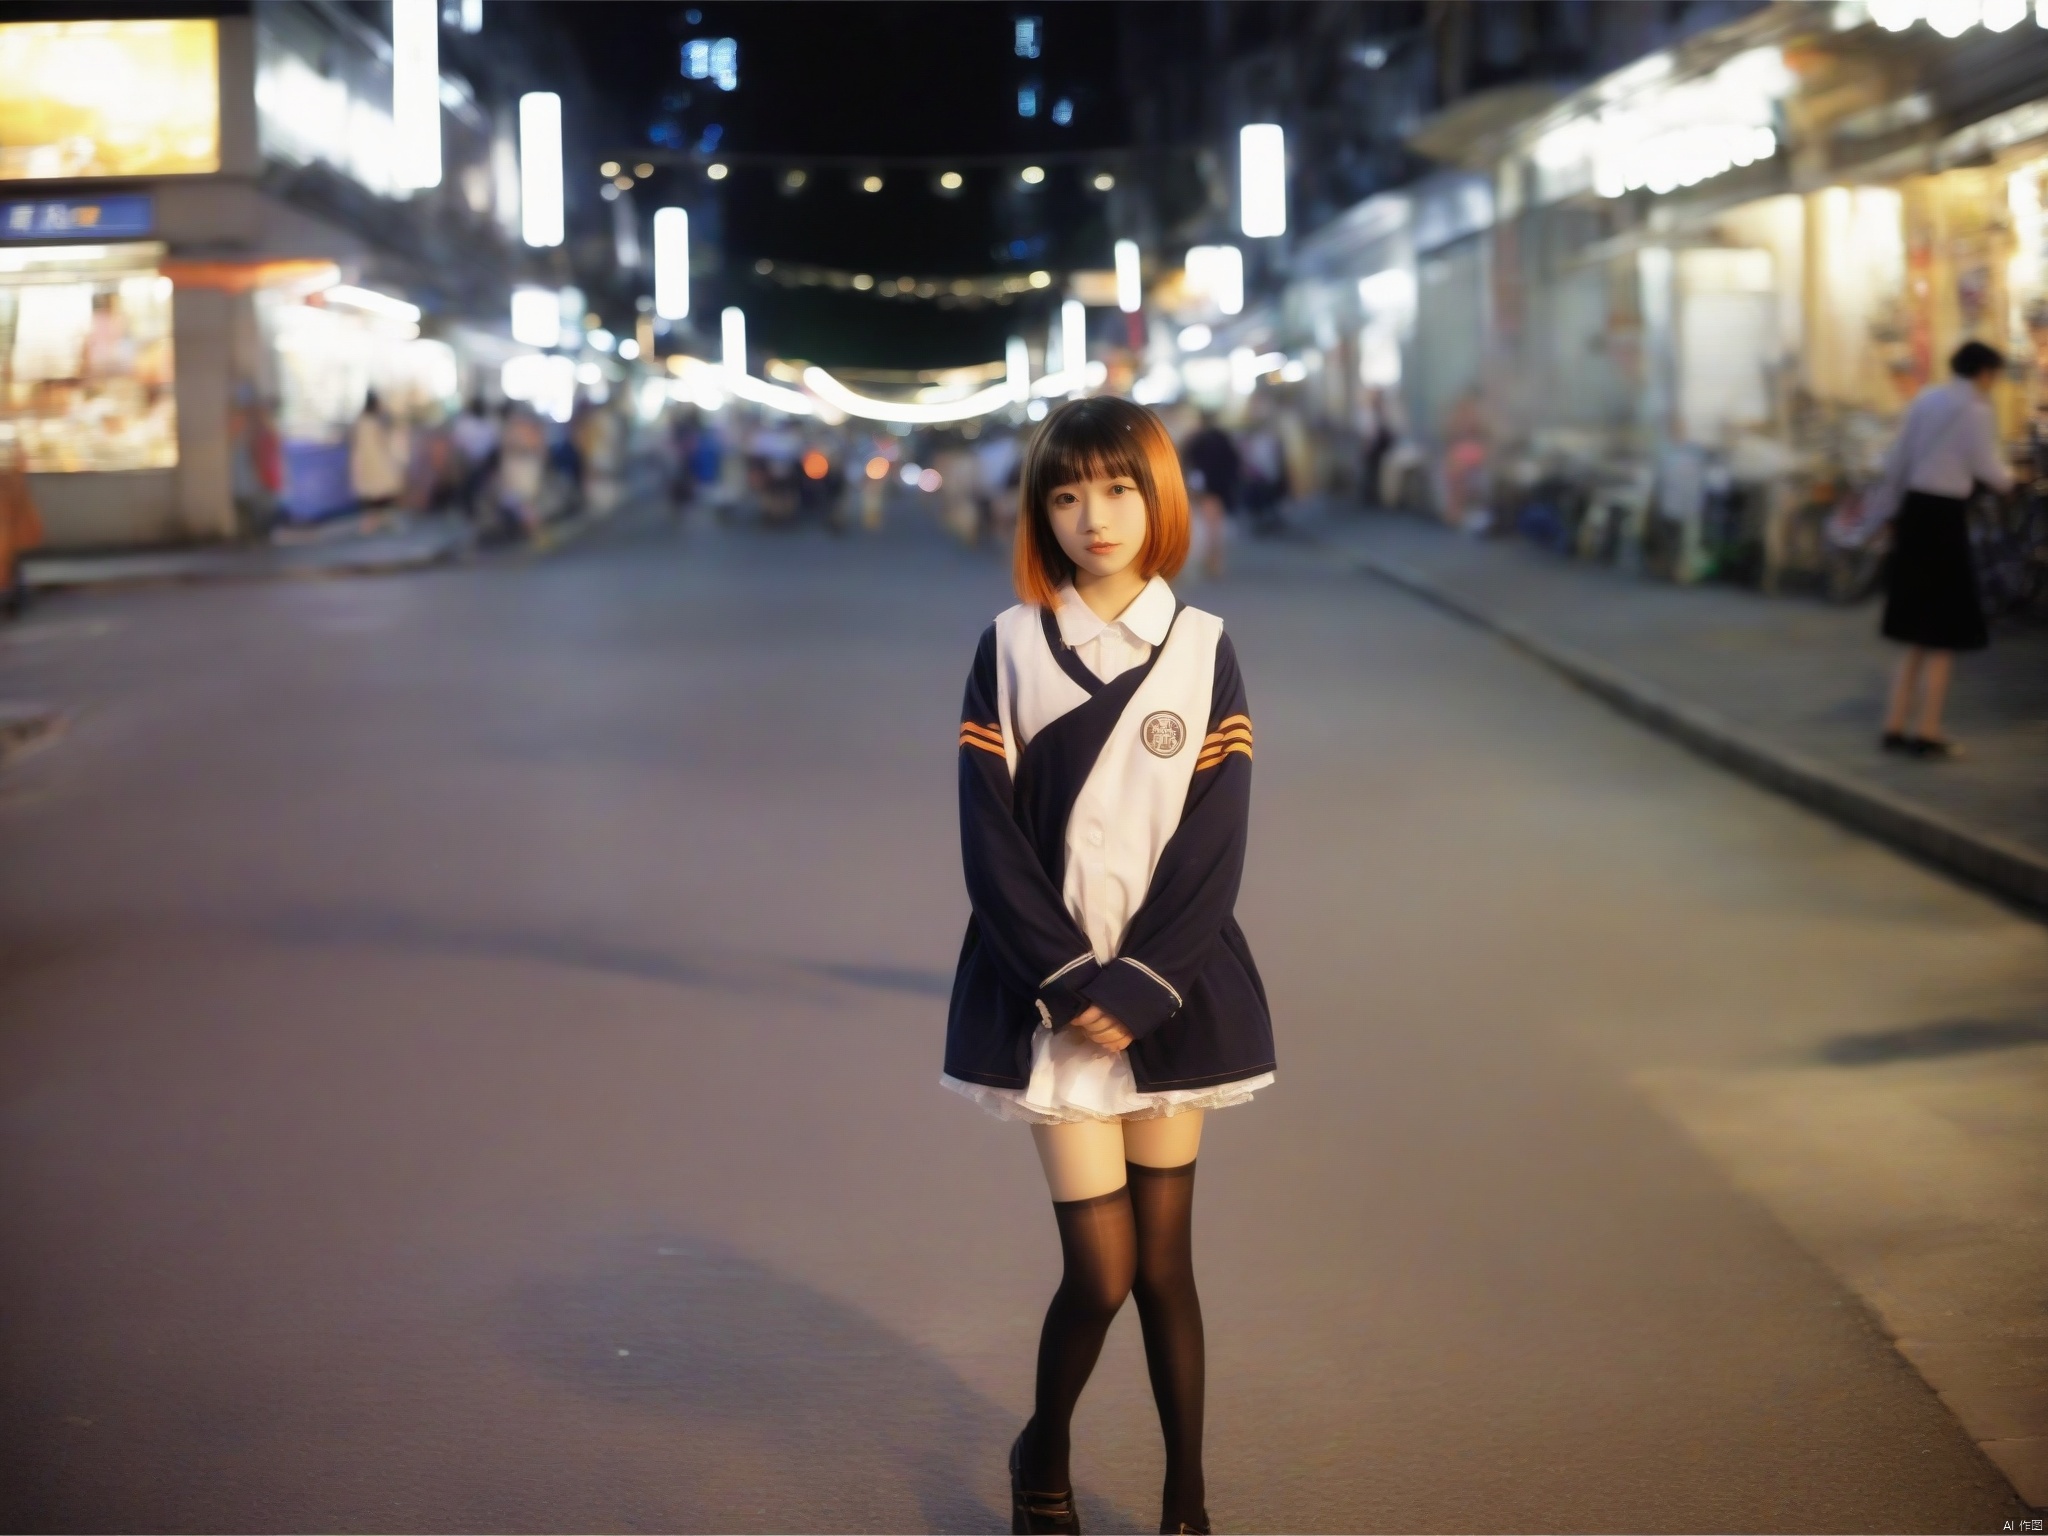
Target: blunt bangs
1095,439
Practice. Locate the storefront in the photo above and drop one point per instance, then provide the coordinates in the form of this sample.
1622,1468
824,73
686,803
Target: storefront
95,346
1721,275
203,236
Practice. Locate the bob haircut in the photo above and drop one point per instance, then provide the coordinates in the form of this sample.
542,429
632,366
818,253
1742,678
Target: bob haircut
1096,439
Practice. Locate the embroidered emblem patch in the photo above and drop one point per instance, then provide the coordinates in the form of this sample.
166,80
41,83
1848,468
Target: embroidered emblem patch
1163,733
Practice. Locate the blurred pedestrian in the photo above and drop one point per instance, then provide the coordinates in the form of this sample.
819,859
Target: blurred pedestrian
522,472
1265,477
1376,437
682,448
21,526
475,435
1466,456
1946,447
378,453
1215,472
998,456
256,460
1109,1020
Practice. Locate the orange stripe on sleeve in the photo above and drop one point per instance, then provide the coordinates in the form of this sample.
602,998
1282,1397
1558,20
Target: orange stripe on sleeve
989,731
975,741
1210,758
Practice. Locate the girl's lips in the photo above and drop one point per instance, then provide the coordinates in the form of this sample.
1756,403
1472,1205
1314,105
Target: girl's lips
1100,549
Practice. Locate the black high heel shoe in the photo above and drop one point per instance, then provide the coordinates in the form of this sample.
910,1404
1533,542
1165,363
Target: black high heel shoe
1038,1514
1199,1527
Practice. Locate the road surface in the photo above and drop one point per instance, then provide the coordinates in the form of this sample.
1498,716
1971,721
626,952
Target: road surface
469,1054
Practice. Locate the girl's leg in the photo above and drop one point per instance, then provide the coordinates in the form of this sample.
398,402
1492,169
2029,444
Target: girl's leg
1084,1166
1934,674
1161,1154
1902,691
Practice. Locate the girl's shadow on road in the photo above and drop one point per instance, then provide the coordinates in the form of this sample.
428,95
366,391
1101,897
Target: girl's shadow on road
840,1417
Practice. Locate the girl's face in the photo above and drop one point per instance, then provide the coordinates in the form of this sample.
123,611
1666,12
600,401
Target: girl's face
1099,523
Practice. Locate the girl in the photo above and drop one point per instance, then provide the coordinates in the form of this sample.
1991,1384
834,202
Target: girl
1105,993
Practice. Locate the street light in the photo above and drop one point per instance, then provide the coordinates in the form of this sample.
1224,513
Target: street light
1217,271
1074,344
1130,293
1017,369
536,316
732,331
540,168
671,263
1262,180
416,91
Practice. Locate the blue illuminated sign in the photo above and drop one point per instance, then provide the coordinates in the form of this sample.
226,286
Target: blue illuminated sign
123,217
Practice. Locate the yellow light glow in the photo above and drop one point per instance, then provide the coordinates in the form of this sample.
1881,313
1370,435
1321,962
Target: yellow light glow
1104,181
109,98
863,281
609,168
643,170
871,184
1033,174
950,181
878,468
1041,279
715,170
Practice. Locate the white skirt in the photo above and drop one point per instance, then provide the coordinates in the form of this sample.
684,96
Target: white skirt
1073,1078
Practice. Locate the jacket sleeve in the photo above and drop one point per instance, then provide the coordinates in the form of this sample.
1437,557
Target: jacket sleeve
1038,948
1194,886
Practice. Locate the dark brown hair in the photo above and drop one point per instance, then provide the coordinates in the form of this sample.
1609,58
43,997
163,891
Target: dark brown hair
1093,439
1973,358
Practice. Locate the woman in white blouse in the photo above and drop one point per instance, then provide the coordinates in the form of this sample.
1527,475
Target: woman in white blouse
1947,445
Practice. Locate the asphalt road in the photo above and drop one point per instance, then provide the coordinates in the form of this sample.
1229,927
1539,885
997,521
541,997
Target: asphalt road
469,1053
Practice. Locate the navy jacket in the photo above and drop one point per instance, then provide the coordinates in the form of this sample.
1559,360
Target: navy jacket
1199,1018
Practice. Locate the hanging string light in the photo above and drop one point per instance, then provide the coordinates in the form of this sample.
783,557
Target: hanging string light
947,292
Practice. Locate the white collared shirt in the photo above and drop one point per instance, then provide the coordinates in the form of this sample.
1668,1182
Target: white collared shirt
1948,441
1111,647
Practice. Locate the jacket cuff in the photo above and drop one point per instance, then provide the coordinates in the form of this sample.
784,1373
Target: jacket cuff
1133,994
1060,997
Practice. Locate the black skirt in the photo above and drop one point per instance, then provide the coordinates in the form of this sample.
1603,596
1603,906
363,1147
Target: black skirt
1932,597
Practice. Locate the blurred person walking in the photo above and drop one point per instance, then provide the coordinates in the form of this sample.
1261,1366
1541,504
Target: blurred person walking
1946,447
21,527
1376,438
1466,456
378,455
1105,994
522,473
256,463
475,435
1215,475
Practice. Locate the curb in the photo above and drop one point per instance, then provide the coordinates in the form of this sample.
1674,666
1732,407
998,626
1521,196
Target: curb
63,575
23,726
2004,868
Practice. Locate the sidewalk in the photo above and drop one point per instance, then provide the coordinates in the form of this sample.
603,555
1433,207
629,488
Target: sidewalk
346,550
1788,691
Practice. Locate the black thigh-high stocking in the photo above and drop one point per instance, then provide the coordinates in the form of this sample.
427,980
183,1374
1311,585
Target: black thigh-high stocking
1163,1202
1098,1245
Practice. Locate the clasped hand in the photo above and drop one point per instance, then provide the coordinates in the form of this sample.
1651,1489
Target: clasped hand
1102,1029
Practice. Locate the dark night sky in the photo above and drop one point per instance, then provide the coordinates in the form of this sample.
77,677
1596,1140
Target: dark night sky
883,83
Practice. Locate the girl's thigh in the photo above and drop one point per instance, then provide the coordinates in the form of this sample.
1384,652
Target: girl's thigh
1171,1142
1081,1160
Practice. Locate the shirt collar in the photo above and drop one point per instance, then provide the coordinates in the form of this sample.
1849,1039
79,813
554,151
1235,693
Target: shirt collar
1148,618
